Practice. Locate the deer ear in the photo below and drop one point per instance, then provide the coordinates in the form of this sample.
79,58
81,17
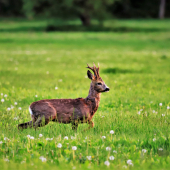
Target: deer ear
89,74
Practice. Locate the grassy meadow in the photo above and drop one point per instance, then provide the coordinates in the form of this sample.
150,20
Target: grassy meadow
134,63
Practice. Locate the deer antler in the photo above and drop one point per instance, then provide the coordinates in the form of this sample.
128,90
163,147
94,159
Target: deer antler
94,69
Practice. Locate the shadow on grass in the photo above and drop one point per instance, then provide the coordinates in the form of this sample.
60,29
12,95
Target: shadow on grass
120,71
72,28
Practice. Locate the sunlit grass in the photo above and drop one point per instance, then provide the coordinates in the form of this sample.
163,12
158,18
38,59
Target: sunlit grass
40,65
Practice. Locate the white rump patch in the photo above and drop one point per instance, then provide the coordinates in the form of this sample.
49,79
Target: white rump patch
30,111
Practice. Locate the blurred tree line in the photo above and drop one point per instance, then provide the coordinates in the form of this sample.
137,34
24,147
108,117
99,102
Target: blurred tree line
85,10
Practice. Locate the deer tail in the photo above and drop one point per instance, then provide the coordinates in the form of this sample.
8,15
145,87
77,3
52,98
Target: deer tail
25,125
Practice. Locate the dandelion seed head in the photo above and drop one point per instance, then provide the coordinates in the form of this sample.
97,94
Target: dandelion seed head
42,159
111,158
28,136
163,115
8,109
15,118
1,142
5,95
144,150
168,107
59,145
154,139
108,148
160,104
160,149
1,94
56,88
89,158
40,135
103,137
6,160
32,137
15,103
19,108
114,151
74,148
36,95
112,132
66,137
107,163
129,161
2,100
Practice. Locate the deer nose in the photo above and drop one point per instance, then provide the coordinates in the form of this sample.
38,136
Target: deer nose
107,89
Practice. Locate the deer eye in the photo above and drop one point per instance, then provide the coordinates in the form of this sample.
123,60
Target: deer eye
99,84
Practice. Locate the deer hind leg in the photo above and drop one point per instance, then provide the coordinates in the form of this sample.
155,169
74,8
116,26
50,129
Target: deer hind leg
91,125
25,125
74,126
41,121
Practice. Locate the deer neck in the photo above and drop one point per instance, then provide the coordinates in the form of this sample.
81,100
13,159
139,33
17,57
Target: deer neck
93,94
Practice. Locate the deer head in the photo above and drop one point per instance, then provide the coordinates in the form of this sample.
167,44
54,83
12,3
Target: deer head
97,82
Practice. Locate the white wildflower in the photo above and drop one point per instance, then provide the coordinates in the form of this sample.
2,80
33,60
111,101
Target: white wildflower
154,139
160,104
138,112
74,148
2,100
1,142
40,135
168,107
59,145
56,88
66,137
131,164
72,137
153,111
144,150
1,94
129,161
89,158
108,148
12,107
6,160
160,149
19,108
36,95
111,132
5,95
111,158
114,151
8,108
15,118
163,114
32,137
43,159
15,103
103,137
5,138
28,136
107,163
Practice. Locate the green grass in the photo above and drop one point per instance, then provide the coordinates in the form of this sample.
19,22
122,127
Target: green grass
136,67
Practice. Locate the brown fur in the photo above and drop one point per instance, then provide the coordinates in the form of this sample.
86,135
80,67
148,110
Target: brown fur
80,110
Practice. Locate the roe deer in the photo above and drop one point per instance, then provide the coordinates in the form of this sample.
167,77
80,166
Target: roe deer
69,110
